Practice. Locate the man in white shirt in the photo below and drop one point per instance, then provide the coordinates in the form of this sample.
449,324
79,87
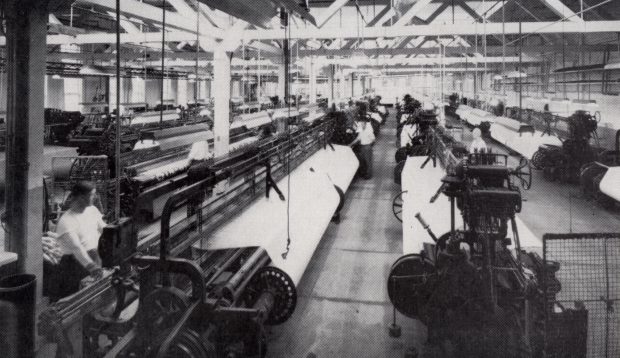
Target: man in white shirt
78,232
365,138
407,132
478,144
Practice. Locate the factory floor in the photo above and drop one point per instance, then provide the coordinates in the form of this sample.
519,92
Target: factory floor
343,309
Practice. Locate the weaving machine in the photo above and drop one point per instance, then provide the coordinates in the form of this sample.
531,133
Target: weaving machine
163,168
171,294
481,286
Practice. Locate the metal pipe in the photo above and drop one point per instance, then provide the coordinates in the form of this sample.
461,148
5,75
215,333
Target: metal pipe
224,266
117,141
241,288
231,287
163,58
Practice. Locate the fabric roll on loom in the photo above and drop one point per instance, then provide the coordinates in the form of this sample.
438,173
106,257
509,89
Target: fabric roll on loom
313,200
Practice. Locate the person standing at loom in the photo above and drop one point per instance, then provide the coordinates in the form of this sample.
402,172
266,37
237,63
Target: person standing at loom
77,233
365,138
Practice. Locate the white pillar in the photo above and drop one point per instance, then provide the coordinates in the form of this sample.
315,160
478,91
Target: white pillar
221,123
312,79
330,84
281,82
343,85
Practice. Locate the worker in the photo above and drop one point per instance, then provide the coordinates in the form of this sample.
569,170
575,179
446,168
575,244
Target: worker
77,233
478,144
365,138
408,131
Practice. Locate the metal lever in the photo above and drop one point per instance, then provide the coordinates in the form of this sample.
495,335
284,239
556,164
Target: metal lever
439,191
426,227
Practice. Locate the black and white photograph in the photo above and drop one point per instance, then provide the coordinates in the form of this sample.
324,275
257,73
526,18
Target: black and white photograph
310,178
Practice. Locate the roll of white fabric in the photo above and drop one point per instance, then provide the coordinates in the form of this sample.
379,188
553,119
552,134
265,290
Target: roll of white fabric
313,201
610,184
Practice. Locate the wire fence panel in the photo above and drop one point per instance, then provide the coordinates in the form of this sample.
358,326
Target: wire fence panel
589,274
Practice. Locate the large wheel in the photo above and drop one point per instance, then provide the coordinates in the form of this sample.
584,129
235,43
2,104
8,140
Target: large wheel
281,286
523,172
189,344
397,206
162,308
410,284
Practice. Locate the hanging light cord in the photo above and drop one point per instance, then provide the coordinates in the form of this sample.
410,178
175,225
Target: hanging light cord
287,34
163,58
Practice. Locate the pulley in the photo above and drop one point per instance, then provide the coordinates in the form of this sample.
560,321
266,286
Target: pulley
277,283
161,309
410,284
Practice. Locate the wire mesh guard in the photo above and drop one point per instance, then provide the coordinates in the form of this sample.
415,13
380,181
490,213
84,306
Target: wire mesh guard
589,274
66,171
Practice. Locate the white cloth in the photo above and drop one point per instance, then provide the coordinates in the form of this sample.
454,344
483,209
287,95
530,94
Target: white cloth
200,151
87,225
376,117
145,143
366,134
477,144
407,133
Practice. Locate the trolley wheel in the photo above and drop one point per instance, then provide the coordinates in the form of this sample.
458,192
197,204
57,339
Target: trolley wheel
410,284
397,206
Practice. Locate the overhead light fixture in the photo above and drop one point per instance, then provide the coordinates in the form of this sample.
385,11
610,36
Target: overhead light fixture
516,74
613,65
314,44
90,70
56,77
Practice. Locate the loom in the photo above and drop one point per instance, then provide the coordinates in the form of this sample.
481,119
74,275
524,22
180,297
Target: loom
198,281
481,283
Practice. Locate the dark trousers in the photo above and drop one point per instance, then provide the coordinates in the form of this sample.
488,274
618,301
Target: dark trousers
365,157
65,278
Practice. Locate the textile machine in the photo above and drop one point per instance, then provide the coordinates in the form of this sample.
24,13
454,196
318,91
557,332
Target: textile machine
481,284
176,292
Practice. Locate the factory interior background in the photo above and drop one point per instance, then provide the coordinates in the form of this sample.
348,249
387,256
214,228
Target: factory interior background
310,178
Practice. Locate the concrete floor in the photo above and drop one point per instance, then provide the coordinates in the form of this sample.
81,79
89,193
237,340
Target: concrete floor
343,308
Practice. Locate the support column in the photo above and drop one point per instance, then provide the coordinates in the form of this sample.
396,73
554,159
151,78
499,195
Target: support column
363,84
352,84
26,52
330,84
312,80
342,93
282,82
221,122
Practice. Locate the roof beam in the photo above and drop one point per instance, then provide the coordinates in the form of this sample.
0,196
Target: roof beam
435,60
612,26
331,11
152,13
110,38
413,11
558,7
